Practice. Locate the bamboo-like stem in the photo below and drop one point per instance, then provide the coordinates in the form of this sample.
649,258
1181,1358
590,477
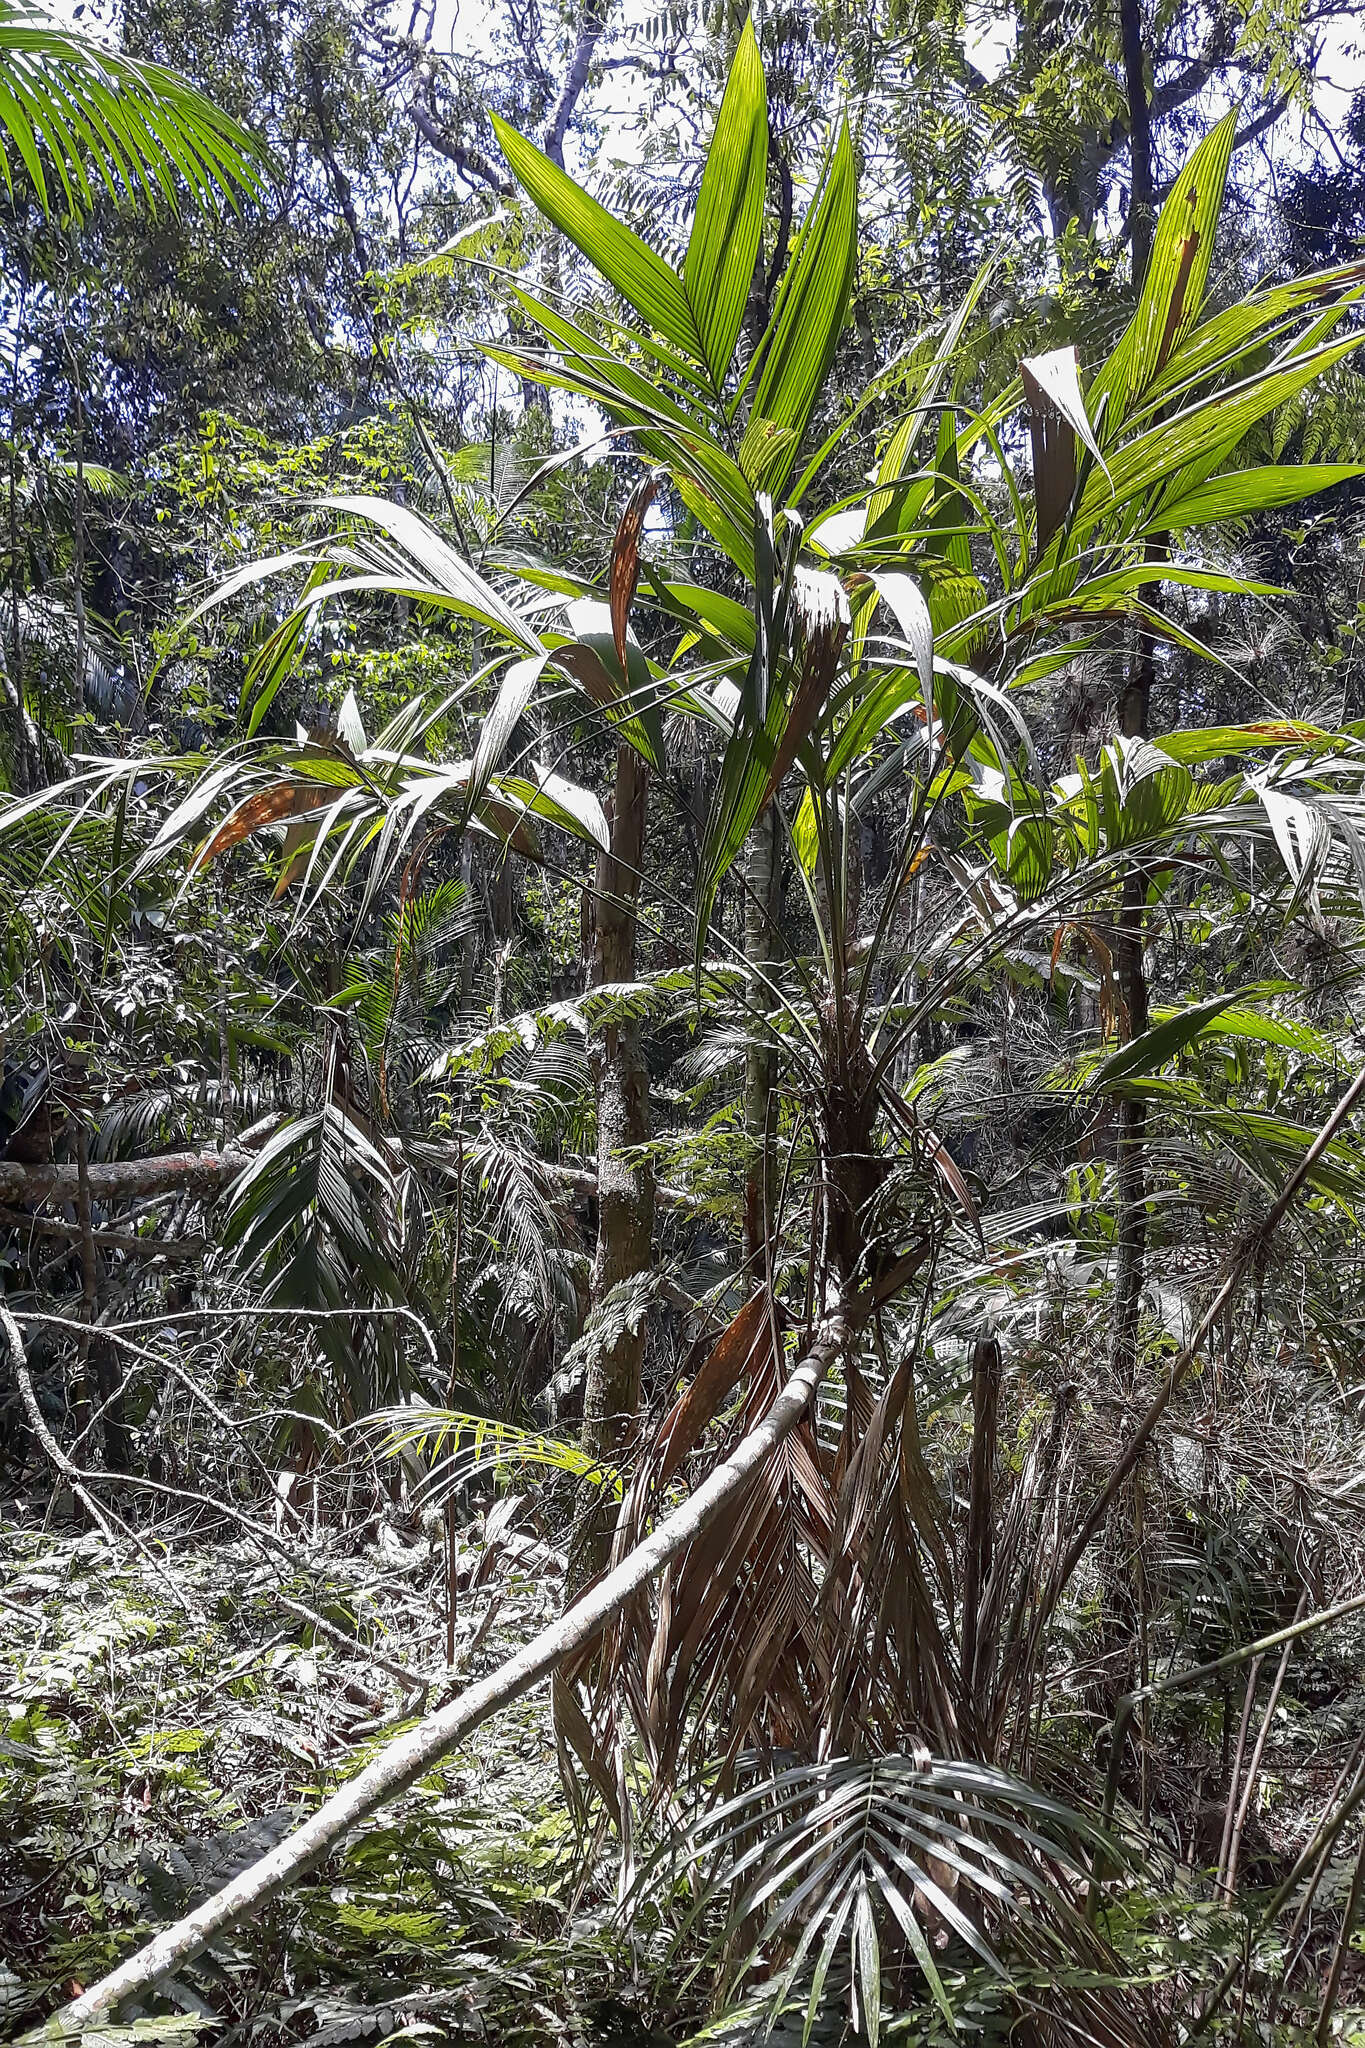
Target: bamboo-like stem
1310,1890
1348,1921
1176,1681
1234,1855
1235,1775
412,1754
1322,1841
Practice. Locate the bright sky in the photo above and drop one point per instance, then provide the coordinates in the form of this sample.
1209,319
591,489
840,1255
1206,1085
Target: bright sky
465,27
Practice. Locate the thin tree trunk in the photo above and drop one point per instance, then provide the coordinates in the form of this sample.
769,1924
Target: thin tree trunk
625,1178
591,24
1234,1855
37,1422
1131,1166
1339,1954
1251,1247
22,762
760,916
1234,1782
980,1519
1134,714
98,1360
411,1755
1142,203
82,1401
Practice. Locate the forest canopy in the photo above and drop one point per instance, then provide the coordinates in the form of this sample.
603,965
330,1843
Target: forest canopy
682,835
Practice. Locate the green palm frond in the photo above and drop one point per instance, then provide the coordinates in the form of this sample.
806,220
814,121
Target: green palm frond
866,1874
318,1220
80,118
464,1447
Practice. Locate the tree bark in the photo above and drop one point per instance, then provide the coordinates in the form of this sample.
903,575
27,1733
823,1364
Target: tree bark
119,1180
1142,201
411,1755
625,1177
1134,716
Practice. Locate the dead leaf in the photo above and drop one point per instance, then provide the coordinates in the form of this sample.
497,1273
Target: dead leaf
270,807
748,1338
625,559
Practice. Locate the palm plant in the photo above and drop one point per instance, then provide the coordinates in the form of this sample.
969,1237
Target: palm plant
82,119
862,1603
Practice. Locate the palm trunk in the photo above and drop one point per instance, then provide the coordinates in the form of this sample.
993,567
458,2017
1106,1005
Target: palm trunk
625,1178
1134,712
760,914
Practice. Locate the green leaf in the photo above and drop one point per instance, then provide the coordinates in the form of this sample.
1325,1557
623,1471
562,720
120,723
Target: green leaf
727,230
652,286
1245,491
1152,1049
138,128
1173,290
1250,1026
867,1964
806,832
811,306
1212,742
1028,862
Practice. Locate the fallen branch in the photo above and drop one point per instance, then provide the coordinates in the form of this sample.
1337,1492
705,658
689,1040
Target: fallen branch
119,1180
410,1756
37,1422
583,1181
409,1680
109,1240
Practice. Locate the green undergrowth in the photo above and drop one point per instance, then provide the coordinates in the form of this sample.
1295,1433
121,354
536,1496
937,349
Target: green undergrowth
163,1719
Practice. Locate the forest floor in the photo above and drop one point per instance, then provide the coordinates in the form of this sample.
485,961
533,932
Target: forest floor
168,1709
173,1701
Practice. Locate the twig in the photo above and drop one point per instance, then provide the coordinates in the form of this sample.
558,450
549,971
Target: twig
409,1680
128,1241
38,1424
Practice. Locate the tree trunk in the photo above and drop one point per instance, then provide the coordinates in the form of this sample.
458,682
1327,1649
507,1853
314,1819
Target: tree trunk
1134,715
1142,203
764,881
97,1359
625,1179
119,1180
